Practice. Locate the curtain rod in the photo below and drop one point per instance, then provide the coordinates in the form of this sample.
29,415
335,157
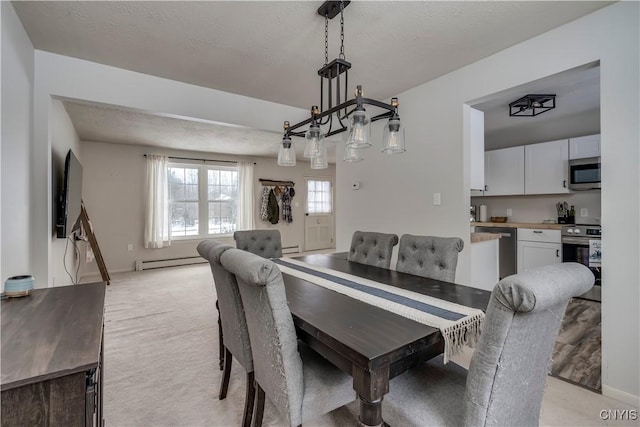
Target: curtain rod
201,160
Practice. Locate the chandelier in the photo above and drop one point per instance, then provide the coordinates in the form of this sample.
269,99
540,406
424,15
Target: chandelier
340,114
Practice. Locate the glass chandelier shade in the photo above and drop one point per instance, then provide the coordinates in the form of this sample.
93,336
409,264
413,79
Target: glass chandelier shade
314,138
286,152
359,130
393,136
320,160
352,155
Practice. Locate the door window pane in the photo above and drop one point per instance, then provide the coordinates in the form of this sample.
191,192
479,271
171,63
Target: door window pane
319,196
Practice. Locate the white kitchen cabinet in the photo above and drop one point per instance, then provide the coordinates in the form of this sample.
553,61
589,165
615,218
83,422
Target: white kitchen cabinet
546,170
584,147
537,248
475,129
504,171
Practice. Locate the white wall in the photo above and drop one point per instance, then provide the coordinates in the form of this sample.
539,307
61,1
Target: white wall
400,199
60,76
63,138
17,114
538,208
113,192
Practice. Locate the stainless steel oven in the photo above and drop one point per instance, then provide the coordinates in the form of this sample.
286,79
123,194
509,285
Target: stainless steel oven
581,243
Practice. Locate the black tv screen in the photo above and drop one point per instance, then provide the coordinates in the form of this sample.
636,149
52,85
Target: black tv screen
70,200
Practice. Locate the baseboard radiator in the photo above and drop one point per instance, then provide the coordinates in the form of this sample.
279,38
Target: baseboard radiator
170,262
291,249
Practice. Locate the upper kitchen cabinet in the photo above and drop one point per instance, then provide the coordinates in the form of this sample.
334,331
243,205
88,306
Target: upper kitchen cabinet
546,167
584,147
504,171
475,133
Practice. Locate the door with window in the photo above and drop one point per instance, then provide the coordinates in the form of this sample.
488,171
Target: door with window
318,219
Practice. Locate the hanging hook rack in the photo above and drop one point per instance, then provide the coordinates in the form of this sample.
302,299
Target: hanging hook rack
270,182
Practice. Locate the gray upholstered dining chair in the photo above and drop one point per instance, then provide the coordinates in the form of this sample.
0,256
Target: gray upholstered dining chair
232,324
265,243
506,378
299,382
372,248
429,256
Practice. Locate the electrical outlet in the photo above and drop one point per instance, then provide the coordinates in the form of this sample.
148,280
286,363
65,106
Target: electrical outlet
437,199
509,211
584,212
130,247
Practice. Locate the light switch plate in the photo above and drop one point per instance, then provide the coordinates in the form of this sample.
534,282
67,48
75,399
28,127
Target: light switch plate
130,247
584,212
509,212
437,199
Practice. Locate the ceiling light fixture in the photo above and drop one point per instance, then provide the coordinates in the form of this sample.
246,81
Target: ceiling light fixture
337,115
532,105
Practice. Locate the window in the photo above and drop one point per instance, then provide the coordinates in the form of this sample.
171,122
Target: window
202,200
318,196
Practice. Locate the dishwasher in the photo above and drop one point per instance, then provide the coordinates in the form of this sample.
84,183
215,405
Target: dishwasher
508,246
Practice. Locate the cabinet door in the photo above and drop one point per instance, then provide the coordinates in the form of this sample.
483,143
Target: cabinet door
584,147
536,254
546,167
475,128
504,171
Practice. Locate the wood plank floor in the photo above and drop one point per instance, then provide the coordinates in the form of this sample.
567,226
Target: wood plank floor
577,354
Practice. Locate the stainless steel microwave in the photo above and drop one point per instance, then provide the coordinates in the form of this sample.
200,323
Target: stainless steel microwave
584,174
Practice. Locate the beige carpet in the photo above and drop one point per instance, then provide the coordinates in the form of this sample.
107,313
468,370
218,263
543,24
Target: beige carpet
161,362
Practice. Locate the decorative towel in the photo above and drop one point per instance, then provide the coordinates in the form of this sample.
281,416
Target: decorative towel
595,253
459,325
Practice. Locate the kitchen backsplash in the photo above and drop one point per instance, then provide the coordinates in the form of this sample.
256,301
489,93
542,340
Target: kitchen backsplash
539,208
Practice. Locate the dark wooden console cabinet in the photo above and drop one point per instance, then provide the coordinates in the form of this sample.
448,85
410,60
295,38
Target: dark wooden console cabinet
52,345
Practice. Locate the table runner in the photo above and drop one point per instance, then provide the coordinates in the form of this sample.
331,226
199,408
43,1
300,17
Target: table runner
459,325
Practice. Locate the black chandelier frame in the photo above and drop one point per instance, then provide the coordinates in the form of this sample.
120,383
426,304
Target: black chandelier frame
333,71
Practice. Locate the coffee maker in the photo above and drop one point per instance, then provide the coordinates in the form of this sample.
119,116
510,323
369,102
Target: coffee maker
474,212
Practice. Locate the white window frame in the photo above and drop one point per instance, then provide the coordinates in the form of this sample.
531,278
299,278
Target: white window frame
203,198
331,201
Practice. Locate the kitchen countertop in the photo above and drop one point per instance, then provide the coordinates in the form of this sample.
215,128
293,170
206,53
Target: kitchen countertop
520,225
483,237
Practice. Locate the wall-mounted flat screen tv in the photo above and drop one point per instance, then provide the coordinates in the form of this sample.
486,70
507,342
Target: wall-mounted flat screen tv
70,200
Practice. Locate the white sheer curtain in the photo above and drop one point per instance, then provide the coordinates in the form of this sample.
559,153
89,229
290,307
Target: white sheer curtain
156,224
245,196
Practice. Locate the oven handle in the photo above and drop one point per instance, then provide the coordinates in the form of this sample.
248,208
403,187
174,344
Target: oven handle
583,241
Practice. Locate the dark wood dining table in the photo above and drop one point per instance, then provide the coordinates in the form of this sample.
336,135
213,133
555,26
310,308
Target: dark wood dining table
371,344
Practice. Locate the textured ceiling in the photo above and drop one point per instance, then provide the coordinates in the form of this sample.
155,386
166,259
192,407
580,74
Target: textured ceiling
106,123
577,110
272,50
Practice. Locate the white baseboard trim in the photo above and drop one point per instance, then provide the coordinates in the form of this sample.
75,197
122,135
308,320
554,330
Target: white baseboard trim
620,395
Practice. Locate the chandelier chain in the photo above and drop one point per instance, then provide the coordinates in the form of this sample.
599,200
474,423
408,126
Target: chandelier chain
342,29
326,39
